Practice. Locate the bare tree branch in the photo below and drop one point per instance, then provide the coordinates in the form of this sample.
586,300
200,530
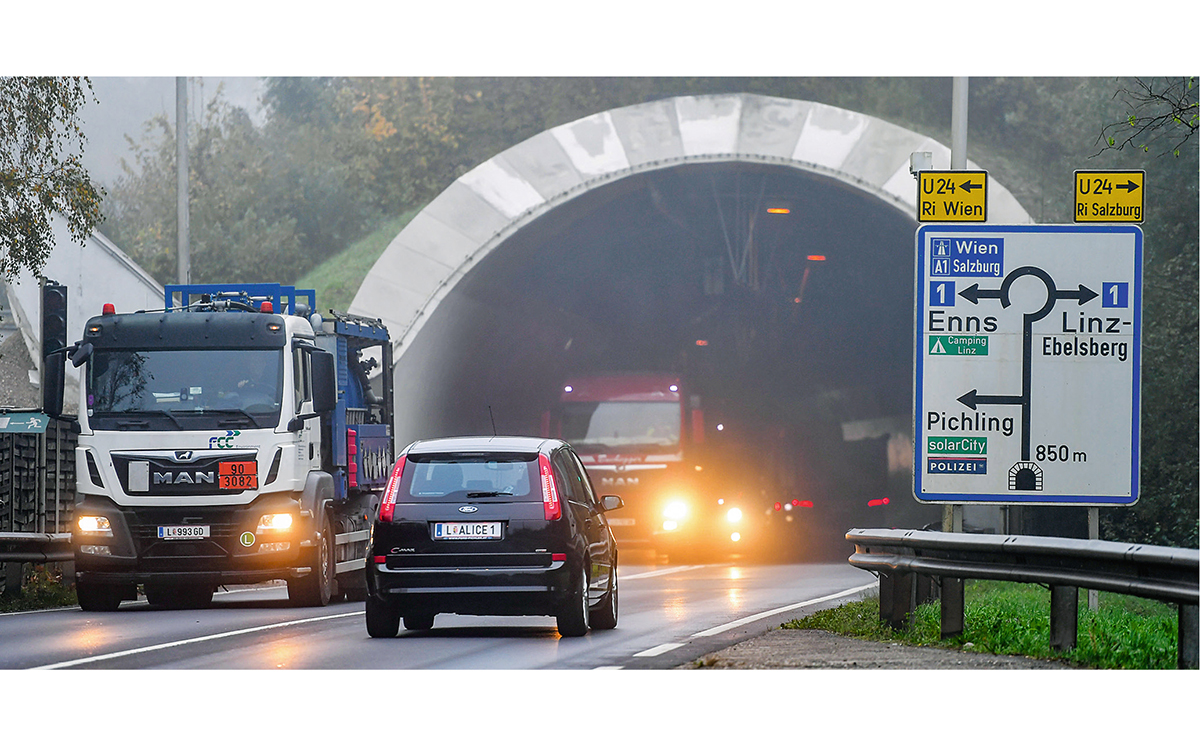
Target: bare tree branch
1158,112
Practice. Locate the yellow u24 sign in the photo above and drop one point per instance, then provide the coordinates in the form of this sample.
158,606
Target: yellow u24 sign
1109,196
952,196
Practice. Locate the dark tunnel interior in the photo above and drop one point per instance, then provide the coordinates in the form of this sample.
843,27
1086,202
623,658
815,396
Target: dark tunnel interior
805,318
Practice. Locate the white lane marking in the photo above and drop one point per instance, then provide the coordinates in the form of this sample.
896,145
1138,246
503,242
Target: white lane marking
177,643
656,573
781,609
659,649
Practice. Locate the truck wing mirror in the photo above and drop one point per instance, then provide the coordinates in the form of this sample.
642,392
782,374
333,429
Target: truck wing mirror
81,354
324,381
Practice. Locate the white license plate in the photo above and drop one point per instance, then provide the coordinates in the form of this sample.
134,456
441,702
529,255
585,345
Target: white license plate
621,521
183,532
476,530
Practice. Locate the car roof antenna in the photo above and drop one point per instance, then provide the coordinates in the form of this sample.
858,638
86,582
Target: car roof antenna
493,417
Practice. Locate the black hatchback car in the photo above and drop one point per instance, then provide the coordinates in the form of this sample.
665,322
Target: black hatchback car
499,525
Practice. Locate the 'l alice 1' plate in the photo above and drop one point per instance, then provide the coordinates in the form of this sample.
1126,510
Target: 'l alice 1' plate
472,530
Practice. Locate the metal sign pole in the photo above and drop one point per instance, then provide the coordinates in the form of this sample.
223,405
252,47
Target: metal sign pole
952,515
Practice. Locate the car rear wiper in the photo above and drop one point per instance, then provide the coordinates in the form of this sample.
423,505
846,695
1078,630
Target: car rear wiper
490,494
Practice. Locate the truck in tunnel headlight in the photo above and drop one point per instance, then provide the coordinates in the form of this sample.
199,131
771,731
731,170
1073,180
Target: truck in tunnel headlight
676,510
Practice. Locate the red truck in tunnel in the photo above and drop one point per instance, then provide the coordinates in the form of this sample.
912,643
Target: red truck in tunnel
643,436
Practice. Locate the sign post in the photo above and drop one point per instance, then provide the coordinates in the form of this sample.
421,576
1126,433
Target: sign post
1027,364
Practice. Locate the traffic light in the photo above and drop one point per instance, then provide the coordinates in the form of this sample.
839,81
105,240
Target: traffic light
54,317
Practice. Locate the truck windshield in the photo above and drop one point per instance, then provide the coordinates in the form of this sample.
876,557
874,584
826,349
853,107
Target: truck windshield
641,426
184,389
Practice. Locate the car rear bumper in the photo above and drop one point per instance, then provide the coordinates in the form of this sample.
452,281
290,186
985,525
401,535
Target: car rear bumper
519,590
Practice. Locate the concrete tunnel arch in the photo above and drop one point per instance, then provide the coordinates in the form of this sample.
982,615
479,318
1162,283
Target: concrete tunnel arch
481,212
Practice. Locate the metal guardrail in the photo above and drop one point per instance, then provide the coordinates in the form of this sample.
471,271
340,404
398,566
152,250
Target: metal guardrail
18,546
910,564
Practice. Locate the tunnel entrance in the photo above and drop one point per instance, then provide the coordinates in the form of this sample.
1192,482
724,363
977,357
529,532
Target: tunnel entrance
778,279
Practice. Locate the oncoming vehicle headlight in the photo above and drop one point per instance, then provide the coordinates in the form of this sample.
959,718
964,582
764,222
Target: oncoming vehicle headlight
675,510
94,524
733,516
275,522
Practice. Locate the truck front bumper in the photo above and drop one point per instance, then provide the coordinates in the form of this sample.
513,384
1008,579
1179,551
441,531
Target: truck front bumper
230,548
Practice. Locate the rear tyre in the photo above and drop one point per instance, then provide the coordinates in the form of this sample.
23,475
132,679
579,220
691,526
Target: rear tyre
316,588
98,597
382,621
418,621
573,619
605,617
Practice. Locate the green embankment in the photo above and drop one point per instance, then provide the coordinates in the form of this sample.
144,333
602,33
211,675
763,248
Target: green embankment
338,278
1014,619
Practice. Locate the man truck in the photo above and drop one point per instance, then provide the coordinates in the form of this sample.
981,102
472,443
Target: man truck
232,438
689,492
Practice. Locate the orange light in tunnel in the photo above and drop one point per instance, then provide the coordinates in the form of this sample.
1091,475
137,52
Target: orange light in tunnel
778,210
816,257
701,342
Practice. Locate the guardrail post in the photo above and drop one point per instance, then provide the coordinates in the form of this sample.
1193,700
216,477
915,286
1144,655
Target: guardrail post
13,574
1188,623
953,603
895,598
1064,616
926,590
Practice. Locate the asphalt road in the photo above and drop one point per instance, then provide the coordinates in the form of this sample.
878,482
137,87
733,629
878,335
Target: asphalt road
669,614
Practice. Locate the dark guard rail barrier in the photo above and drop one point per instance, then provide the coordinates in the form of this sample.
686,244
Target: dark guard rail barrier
910,563
37,548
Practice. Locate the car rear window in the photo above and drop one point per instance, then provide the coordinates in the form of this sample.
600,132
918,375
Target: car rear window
475,476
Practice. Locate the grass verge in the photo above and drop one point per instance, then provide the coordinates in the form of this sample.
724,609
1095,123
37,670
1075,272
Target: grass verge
42,588
338,278
1125,632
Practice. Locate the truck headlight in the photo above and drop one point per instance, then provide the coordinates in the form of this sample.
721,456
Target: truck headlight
675,510
733,516
94,524
275,522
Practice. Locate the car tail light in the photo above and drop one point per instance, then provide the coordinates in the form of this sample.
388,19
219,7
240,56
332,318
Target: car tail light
877,503
388,506
550,501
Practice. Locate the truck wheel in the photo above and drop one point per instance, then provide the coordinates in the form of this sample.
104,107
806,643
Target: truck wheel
98,597
382,621
316,588
605,617
573,619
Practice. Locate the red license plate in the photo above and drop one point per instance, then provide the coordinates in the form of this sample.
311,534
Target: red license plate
237,475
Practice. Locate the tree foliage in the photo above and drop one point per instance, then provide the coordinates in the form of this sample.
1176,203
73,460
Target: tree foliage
1158,111
41,144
